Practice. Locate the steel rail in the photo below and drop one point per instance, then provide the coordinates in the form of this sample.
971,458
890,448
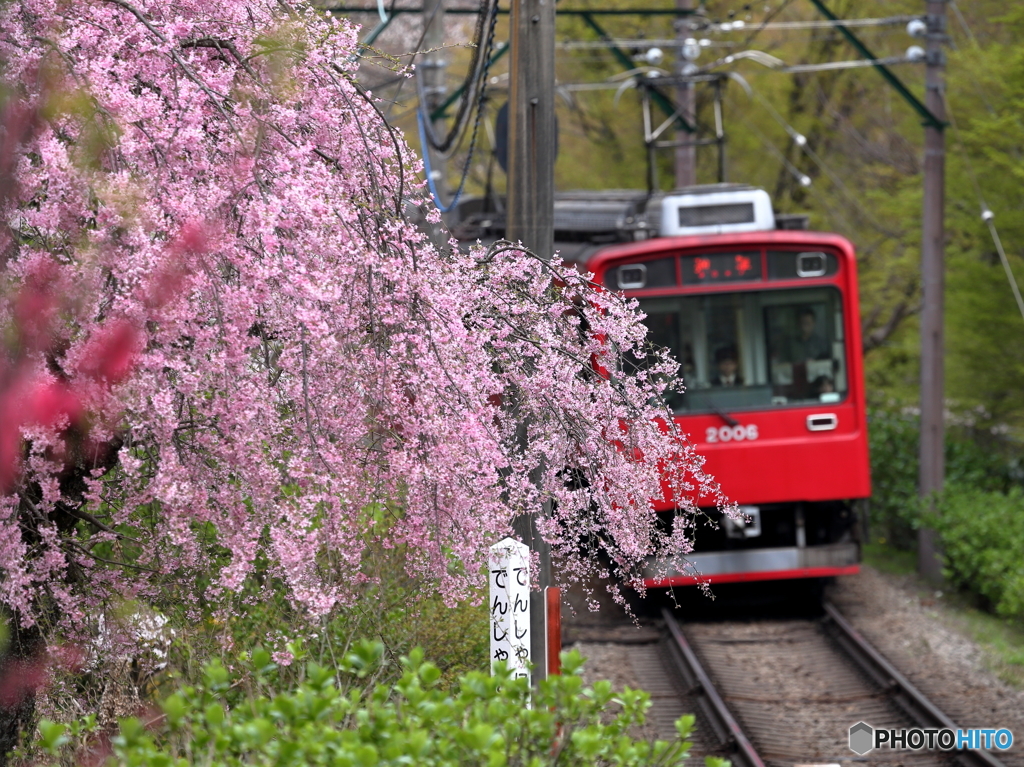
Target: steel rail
722,721
902,692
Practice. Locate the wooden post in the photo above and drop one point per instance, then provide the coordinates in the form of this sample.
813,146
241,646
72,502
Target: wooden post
531,126
554,618
531,208
686,156
932,451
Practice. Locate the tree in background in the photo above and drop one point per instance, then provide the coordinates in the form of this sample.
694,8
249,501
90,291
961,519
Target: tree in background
986,87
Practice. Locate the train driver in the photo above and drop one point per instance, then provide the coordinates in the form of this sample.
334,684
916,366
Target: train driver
810,344
726,360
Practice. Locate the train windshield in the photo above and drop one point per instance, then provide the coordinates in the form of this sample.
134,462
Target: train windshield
753,349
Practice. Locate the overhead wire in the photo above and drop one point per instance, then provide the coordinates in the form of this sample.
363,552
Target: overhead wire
734,26
479,88
963,23
986,212
474,81
423,36
731,26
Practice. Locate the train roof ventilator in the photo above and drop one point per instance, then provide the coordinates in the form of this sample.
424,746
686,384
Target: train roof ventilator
716,212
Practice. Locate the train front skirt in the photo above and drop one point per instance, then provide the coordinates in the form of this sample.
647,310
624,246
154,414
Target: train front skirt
767,564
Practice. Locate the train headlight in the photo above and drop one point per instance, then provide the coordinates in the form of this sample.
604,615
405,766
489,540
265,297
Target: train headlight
749,527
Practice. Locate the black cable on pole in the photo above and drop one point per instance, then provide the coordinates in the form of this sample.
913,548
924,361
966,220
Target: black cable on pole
472,87
423,118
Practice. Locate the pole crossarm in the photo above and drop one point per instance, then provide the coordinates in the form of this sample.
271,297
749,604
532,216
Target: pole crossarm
623,58
677,115
929,117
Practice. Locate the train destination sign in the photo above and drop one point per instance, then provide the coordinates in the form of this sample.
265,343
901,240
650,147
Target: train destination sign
722,267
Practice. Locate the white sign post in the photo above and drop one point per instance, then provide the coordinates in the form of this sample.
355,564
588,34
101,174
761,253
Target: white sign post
510,606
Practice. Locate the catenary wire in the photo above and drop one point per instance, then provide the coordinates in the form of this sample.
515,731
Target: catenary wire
473,83
834,212
422,119
986,213
801,141
419,43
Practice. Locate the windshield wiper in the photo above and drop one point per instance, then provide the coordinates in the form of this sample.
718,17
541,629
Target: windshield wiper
724,416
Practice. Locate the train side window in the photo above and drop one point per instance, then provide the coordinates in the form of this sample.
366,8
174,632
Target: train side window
796,264
669,325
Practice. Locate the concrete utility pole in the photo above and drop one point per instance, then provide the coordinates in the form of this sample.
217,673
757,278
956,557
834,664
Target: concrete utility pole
932,455
686,156
531,210
432,69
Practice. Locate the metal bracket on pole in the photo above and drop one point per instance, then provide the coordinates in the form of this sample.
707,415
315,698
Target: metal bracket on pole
623,58
930,118
648,93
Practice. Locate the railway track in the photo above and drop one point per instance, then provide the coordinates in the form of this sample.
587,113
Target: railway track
785,692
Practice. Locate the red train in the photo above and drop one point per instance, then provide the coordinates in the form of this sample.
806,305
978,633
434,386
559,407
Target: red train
765,323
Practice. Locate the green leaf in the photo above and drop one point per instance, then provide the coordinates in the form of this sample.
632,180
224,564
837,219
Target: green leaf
51,736
174,708
214,715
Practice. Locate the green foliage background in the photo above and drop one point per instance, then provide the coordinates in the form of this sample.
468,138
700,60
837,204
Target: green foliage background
983,541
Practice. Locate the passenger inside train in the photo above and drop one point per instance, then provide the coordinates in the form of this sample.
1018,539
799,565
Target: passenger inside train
727,362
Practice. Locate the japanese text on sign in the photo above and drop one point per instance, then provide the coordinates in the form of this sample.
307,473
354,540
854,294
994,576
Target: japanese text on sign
509,580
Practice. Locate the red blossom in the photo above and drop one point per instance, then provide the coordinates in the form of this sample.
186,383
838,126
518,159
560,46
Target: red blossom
50,404
109,357
20,678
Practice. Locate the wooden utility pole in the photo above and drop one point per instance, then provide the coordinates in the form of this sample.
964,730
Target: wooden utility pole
531,210
531,126
932,457
686,155
432,69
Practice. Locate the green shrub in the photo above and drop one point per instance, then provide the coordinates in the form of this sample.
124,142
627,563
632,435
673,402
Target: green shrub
401,611
242,719
974,458
983,544
894,507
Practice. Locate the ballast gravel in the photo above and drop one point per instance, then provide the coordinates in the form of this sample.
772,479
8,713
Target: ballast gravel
897,614
918,634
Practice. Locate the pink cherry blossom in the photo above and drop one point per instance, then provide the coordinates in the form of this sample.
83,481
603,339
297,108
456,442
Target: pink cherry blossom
249,351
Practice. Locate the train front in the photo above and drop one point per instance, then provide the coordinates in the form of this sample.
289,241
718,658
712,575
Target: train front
765,325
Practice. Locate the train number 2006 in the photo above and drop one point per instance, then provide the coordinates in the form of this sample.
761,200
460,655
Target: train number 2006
736,433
